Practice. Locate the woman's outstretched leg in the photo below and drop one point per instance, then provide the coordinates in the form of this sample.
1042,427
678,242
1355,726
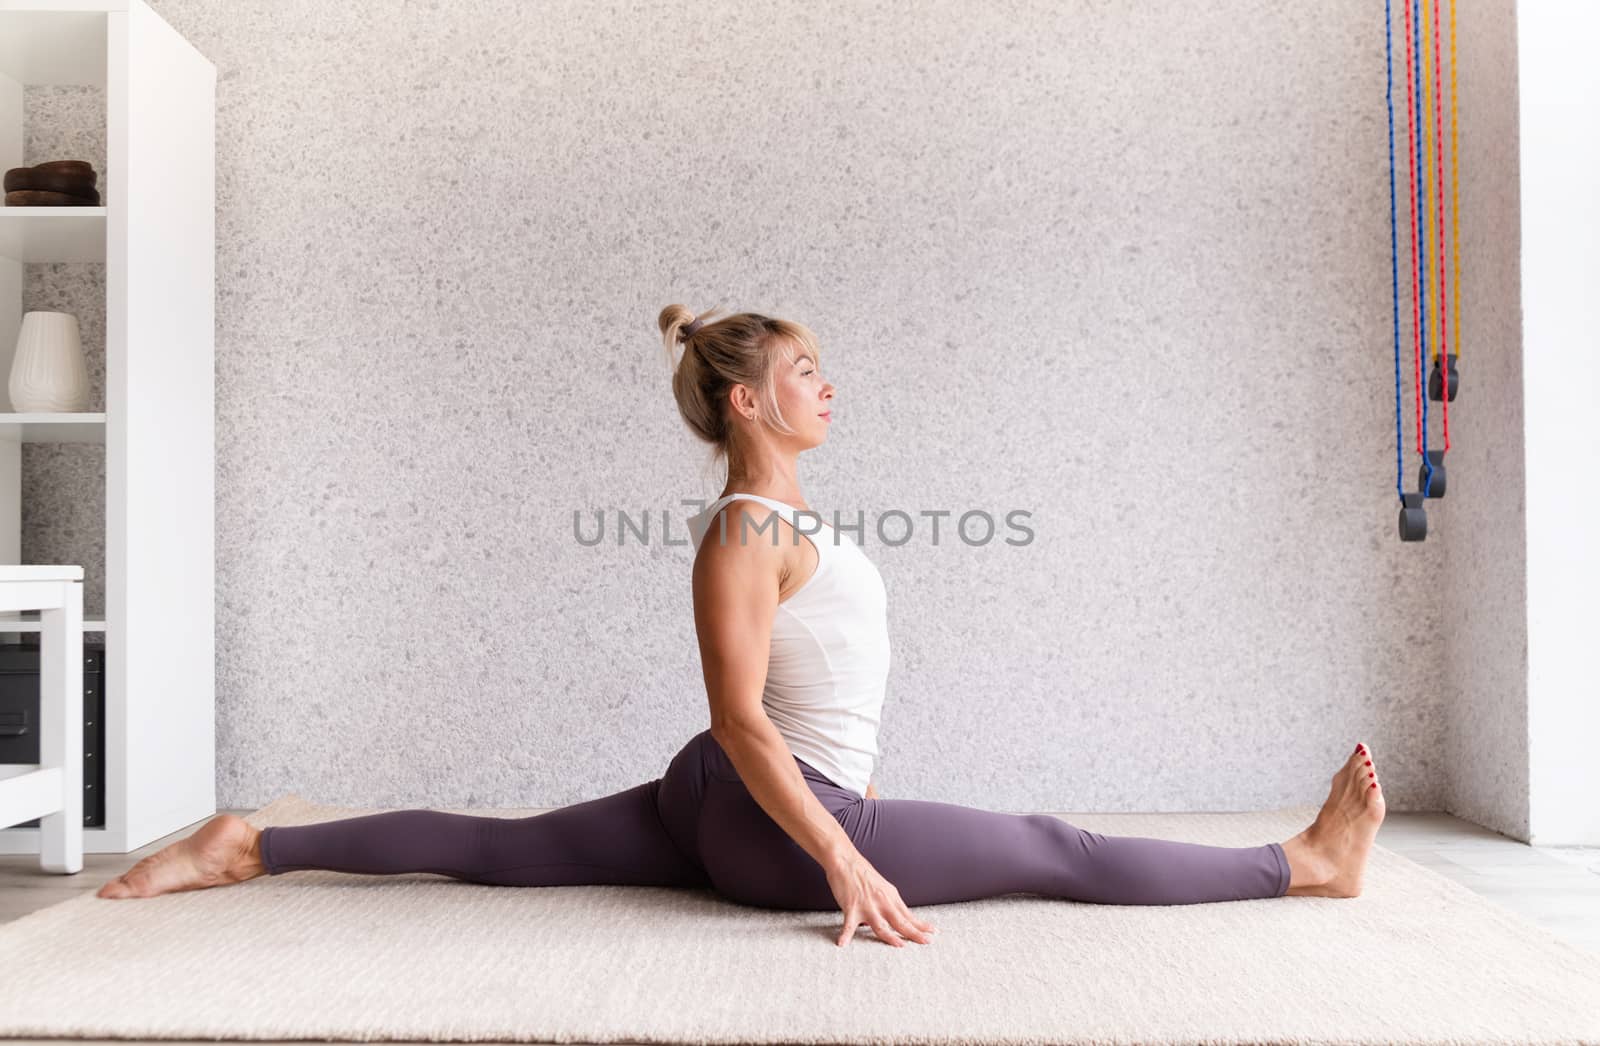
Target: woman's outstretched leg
616,839
941,853
936,853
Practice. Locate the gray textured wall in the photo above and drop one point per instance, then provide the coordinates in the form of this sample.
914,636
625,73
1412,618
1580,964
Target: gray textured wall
1124,267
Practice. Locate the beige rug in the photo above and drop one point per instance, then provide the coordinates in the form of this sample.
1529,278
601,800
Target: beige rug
324,955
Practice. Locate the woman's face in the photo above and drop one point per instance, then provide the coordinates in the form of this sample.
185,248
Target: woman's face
804,397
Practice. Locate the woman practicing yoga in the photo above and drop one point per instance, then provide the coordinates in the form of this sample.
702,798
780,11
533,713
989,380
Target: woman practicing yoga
774,805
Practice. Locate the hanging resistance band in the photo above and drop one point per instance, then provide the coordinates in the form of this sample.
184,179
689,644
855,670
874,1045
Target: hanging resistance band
1425,152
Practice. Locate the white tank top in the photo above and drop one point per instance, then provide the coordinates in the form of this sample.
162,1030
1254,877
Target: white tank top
829,662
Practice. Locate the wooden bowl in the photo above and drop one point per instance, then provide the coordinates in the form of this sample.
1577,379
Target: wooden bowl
83,167
41,198
62,180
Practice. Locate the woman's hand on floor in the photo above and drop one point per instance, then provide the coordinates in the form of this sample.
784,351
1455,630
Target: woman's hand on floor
865,897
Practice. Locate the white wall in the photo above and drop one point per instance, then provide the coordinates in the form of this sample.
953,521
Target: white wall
1560,154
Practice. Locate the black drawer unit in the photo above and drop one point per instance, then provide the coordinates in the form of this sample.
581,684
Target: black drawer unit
19,719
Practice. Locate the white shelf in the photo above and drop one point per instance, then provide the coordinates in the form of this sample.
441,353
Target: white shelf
54,41
53,428
156,238
31,624
53,234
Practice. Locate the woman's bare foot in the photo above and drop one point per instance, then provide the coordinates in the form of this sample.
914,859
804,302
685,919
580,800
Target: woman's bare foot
226,849
1329,858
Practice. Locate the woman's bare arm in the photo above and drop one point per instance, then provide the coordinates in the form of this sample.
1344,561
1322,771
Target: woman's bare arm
736,585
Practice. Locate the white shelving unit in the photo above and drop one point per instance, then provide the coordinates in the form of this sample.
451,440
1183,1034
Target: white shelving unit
156,236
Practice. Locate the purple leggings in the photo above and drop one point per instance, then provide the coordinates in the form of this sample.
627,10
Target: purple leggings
698,826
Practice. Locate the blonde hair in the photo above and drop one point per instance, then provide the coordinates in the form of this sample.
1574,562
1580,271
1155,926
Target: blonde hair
742,349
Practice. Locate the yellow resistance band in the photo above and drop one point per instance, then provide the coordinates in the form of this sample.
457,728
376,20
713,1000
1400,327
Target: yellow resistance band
1455,192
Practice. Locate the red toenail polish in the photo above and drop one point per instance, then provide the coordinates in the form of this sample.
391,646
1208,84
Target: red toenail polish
1373,785
1372,775
1369,762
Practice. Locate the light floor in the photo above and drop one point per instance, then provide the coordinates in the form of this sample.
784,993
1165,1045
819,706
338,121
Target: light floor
1556,887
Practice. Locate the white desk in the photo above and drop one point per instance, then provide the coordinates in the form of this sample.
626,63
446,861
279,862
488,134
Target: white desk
54,792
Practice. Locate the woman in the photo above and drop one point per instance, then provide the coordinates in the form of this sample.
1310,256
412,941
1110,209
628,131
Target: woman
774,805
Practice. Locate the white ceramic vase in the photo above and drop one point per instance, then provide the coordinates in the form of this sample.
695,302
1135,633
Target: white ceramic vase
47,374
